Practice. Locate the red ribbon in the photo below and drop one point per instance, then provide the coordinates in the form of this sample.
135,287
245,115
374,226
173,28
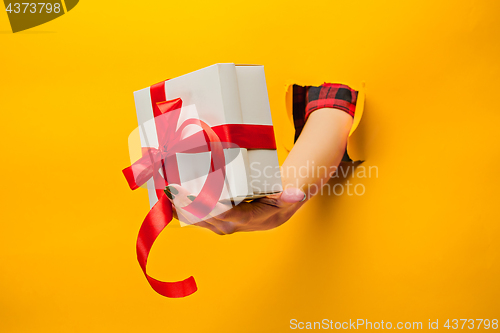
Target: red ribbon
217,138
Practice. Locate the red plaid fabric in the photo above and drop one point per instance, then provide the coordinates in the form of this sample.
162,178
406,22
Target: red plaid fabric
329,95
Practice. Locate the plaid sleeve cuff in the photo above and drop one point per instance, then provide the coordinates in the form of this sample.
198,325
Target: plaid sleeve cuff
308,99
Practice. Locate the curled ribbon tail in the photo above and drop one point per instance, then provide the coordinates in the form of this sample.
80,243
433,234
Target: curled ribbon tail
154,223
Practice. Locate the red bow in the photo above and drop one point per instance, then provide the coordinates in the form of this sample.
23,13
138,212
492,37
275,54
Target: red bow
166,116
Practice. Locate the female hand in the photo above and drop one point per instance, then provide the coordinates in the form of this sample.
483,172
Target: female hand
332,127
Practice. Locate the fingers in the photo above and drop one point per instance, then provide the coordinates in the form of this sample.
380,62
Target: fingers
181,217
240,213
180,198
246,216
264,207
226,227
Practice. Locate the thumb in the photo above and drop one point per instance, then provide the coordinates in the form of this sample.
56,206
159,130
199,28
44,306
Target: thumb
292,195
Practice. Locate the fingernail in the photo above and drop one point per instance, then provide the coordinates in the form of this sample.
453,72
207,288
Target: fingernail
169,190
191,197
172,189
293,195
169,195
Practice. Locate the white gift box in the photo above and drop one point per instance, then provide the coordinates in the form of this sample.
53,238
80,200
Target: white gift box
219,94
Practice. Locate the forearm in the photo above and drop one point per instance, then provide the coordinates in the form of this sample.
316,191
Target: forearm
318,150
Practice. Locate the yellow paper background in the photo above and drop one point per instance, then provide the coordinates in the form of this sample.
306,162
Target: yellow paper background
422,243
